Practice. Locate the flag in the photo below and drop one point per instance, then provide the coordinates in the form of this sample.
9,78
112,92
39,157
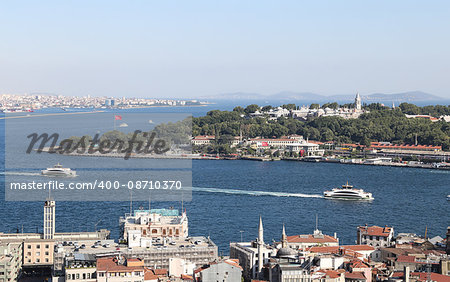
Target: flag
117,117
264,144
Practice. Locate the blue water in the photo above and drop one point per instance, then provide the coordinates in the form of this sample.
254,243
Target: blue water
281,192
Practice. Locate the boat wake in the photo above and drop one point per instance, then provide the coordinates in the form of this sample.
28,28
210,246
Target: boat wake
21,173
254,193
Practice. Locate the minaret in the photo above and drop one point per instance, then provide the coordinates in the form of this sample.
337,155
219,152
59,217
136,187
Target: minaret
284,238
49,218
358,102
260,245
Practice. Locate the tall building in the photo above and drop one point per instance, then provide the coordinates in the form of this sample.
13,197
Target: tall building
49,219
358,102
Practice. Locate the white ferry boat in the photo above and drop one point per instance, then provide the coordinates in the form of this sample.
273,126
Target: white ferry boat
59,170
347,192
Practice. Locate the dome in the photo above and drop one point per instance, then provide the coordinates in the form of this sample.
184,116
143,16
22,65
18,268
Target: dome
286,252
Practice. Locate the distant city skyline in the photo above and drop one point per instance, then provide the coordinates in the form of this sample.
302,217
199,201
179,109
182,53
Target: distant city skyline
201,48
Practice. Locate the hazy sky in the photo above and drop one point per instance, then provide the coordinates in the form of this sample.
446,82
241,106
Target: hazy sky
194,48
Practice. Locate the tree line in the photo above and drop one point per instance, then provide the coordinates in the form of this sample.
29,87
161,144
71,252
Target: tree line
380,124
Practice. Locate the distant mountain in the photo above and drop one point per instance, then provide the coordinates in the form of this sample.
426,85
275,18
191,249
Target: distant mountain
405,96
411,96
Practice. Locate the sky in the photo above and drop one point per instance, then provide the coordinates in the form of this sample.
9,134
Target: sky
190,49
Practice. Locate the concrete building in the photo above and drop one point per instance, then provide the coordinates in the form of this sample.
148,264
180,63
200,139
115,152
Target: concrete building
179,266
10,261
38,252
375,236
227,270
155,223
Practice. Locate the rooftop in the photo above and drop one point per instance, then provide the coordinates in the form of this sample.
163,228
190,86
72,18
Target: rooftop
375,230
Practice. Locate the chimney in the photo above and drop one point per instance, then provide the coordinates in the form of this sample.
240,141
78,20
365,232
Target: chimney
335,235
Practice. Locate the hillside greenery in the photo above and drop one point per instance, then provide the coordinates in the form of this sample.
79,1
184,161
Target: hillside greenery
380,124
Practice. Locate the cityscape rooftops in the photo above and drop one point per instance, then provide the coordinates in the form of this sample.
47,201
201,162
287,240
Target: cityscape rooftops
311,238
375,230
117,264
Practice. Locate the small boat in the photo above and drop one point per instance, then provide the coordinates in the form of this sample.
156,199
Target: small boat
448,197
123,125
347,192
59,170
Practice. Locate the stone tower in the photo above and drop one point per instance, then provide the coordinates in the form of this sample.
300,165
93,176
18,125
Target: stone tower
260,245
358,102
284,242
49,219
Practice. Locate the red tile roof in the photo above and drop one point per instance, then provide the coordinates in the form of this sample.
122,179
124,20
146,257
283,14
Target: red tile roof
204,137
422,276
406,259
375,230
311,239
161,271
233,262
379,145
325,250
112,265
150,275
357,248
330,273
355,275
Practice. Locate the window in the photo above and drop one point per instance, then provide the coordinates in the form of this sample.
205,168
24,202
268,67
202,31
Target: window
38,254
29,246
46,253
38,260
47,246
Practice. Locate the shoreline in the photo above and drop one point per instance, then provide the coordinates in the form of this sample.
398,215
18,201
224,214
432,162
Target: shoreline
253,158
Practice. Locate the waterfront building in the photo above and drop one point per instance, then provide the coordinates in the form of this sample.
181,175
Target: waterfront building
375,236
203,140
253,255
10,261
389,147
165,224
227,270
303,242
306,149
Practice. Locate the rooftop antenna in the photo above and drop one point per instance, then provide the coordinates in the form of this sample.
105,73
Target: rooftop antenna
317,222
241,231
131,202
182,201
